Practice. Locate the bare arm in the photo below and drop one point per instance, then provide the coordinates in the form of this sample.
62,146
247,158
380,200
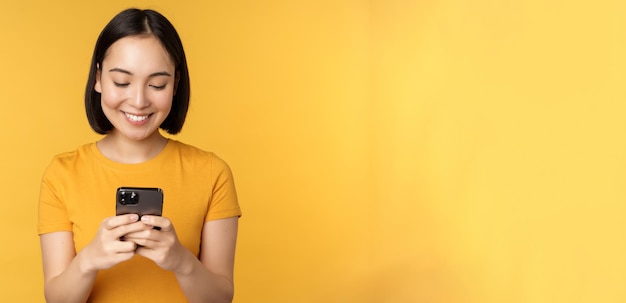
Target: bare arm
207,279
69,277
64,280
213,275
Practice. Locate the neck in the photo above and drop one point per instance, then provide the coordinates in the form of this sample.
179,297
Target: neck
124,150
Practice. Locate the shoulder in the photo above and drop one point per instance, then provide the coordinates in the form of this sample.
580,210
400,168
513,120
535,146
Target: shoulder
69,159
195,153
188,150
197,156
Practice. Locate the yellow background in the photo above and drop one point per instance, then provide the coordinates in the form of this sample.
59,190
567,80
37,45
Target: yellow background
384,150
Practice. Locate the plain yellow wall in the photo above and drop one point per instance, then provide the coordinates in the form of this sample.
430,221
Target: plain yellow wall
384,150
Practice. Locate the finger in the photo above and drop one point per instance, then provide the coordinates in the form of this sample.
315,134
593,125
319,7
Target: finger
125,256
125,247
155,255
163,223
142,234
145,251
145,243
124,230
149,234
113,222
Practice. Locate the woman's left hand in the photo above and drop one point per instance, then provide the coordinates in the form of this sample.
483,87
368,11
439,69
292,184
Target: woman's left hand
159,245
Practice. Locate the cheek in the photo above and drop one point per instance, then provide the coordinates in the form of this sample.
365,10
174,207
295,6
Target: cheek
163,101
167,107
111,96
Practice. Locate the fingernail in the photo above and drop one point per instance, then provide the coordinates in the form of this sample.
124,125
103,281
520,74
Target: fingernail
144,219
134,217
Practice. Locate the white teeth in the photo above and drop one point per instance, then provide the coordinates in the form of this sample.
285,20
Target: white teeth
136,118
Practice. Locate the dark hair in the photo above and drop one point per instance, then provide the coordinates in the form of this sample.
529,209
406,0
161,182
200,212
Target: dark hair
132,22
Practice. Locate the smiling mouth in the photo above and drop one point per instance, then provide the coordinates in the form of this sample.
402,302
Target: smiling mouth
136,118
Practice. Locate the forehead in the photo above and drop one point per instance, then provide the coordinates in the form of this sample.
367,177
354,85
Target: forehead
138,53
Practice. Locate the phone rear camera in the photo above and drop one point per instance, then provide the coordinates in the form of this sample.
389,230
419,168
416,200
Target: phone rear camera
129,197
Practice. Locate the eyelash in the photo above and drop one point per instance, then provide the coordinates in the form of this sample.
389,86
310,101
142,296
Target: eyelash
127,84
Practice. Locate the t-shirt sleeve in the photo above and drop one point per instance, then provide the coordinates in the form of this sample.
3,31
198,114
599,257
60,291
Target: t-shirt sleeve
224,203
53,214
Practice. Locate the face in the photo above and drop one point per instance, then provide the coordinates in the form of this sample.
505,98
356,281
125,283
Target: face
136,82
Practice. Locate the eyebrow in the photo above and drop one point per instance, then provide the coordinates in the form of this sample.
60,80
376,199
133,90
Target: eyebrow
123,71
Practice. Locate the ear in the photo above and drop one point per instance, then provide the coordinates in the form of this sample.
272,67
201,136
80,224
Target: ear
98,85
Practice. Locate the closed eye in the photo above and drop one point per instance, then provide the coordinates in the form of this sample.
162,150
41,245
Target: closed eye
158,87
121,84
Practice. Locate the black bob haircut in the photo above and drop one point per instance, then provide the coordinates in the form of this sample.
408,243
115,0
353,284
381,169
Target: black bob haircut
133,22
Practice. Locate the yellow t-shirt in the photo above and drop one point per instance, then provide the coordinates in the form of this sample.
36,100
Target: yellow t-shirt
78,191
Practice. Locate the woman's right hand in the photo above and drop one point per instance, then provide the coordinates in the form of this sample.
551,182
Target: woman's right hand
107,248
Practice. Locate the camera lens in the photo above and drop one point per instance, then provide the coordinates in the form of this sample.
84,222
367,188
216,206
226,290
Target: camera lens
128,197
123,197
134,198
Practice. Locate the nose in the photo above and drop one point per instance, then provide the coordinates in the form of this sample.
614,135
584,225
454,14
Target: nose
139,98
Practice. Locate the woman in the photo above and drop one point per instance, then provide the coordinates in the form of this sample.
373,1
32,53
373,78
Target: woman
138,84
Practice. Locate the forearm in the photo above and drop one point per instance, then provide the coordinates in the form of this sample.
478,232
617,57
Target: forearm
74,284
201,285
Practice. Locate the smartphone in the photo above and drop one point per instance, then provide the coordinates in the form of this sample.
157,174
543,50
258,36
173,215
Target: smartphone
139,200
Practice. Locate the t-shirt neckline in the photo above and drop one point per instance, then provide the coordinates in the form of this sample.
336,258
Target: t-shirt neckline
152,163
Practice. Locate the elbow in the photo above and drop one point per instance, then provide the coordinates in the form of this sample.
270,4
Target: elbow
226,292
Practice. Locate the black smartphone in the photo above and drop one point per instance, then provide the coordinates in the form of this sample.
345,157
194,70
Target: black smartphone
139,200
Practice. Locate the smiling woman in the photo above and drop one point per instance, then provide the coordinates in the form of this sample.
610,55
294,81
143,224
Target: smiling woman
396,151
137,89
167,58
138,84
